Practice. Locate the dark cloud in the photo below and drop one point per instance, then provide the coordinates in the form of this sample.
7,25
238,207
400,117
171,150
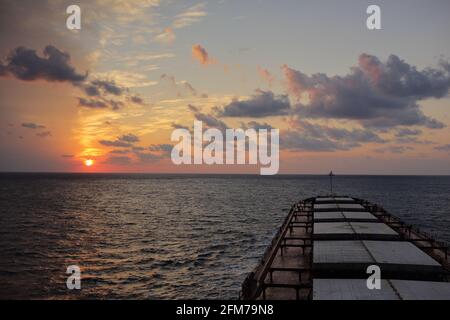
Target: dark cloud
32,125
107,86
44,134
256,125
124,141
54,65
179,126
412,140
445,148
26,64
261,104
92,103
357,135
118,160
408,132
68,156
115,105
400,79
162,149
119,151
129,138
298,141
410,136
394,149
99,103
340,134
3,69
148,157
100,89
376,94
115,143
208,119
314,137
137,100
91,90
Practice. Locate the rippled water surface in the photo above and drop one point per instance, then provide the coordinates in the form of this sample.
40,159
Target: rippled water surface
169,236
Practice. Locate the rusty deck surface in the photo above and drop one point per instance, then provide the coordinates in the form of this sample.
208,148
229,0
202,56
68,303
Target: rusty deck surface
289,269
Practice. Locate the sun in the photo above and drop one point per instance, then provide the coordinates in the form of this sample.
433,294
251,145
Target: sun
88,162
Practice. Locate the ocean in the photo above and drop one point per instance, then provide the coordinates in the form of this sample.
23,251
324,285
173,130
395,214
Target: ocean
138,236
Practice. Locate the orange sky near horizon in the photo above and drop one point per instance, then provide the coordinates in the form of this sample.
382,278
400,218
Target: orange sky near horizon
148,64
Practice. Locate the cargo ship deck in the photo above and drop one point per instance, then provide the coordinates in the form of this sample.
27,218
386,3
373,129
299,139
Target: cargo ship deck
325,245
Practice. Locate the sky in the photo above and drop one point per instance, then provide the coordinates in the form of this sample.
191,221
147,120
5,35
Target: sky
345,98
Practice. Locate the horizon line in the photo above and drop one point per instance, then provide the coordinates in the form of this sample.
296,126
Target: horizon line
223,174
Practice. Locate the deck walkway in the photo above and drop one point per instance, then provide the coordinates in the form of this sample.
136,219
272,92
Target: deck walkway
325,244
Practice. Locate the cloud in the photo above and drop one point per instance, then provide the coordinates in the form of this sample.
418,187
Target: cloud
129,138
114,104
25,64
54,65
374,93
92,103
115,143
3,69
148,157
32,125
186,18
119,151
99,87
137,100
357,135
182,87
261,104
299,141
412,139
408,132
256,125
123,141
161,147
307,136
68,156
167,36
400,79
44,134
394,149
179,126
266,76
190,88
445,148
163,150
208,119
126,79
190,16
118,160
201,55
100,103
